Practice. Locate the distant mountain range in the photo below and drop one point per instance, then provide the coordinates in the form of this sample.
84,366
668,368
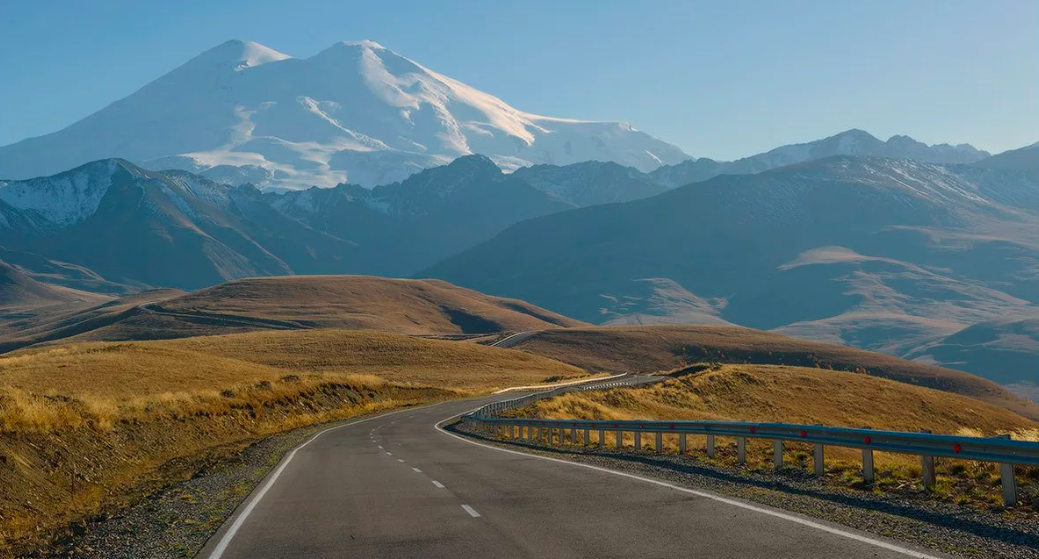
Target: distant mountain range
849,142
892,254
885,254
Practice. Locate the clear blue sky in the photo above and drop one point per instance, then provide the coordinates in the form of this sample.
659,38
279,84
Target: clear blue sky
720,79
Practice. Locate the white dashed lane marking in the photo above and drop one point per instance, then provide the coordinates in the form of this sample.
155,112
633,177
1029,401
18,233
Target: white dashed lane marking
417,471
438,484
472,512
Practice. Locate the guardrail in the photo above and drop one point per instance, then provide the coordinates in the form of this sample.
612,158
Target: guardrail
1001,450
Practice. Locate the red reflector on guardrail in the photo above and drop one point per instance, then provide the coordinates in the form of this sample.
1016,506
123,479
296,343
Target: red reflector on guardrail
957,448
672,426
751,429
803,434
867,440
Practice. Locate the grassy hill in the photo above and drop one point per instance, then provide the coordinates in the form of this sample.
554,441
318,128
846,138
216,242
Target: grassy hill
662,348
116,415
415,307
776,393
21,292
781,393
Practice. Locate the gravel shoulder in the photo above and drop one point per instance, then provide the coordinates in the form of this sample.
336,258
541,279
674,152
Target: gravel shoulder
931,524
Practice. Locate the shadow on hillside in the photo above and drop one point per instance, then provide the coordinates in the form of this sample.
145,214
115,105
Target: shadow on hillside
673,463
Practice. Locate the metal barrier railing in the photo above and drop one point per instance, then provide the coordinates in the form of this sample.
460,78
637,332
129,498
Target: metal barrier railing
1001,450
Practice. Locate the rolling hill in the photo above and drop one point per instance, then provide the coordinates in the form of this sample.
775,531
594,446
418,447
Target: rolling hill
652,349
414,307
778,393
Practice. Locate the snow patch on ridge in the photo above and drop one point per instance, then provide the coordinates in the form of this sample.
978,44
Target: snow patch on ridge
63,200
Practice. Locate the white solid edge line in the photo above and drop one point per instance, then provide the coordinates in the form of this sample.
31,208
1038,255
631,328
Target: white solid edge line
472,512
704,494
438,484
229,535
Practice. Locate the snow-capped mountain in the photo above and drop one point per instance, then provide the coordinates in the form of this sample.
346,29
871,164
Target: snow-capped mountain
355,112
849,142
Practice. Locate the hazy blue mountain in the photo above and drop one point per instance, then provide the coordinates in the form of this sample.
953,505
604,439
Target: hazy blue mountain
591,183
880,253
850,142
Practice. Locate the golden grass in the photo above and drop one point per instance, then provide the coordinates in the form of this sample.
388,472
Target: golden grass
769,393
121,410
791,395
649,349
135,369
371,303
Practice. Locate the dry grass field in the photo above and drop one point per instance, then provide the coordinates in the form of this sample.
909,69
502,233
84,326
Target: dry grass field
774,393
649,349
403,306
110,415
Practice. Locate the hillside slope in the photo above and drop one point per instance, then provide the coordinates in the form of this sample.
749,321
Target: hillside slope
647,349
861,251
774,393
414,307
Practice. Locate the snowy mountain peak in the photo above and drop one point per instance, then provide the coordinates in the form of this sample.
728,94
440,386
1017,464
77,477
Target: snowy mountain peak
239,55
355,112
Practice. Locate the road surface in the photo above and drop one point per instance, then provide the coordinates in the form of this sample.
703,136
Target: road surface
394,486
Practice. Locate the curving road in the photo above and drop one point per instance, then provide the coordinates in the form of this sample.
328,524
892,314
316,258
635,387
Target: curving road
396,486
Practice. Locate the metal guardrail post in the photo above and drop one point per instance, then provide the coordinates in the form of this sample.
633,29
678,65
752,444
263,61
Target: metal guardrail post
658,444
820,460
1006,474
638,441
777,453
587,436
682,443
741,451
573,434
602,438
927,467
1009,482
620,439
710,446
868,475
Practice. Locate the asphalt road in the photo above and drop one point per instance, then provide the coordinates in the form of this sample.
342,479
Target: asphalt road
395,486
